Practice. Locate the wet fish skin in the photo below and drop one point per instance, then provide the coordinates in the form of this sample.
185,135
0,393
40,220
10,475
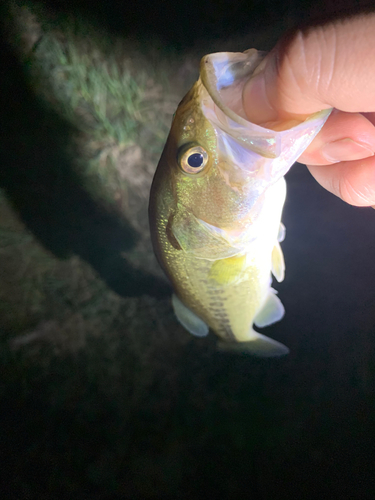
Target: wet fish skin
215,229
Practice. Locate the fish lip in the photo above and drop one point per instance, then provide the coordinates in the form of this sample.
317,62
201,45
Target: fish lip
223,70
209,77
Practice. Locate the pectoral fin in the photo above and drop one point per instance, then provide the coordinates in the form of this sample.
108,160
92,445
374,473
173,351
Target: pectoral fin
199,238
188,319
281,234
260,346
278,263
271,311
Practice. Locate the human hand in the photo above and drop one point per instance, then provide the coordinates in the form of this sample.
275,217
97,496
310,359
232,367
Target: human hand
331,65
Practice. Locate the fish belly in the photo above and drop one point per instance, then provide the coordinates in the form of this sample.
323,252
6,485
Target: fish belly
236,301
226,294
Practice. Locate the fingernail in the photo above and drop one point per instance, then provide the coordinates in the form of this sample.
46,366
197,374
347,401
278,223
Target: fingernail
345,150
255,101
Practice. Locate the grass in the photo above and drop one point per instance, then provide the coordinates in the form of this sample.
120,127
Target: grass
114,94
118,100
92,90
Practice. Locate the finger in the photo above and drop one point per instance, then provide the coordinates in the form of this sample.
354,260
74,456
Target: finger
370,117
317,68
352,181
344,137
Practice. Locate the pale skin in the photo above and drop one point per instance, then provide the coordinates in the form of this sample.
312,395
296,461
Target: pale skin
326,66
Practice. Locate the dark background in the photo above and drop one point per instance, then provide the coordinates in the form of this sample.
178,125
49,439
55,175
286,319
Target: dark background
186,23
211,424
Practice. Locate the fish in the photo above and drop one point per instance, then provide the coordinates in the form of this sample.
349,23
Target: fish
215,207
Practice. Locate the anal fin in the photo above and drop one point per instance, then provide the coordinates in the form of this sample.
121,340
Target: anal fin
188,319
271,311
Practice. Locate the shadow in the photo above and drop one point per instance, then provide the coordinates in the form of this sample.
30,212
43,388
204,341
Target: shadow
37,174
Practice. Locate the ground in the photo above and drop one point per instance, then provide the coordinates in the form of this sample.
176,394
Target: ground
103,393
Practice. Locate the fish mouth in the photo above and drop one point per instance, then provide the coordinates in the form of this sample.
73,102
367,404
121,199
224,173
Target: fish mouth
224,75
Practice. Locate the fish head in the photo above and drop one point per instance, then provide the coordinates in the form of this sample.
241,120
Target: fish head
216,163
196,169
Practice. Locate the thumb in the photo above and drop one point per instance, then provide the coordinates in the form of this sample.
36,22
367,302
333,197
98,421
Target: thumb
313,69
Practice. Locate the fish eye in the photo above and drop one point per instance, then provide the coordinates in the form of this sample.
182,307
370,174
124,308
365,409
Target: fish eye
193,159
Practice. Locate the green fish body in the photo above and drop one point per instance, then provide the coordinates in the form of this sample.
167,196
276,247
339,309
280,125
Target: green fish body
216,203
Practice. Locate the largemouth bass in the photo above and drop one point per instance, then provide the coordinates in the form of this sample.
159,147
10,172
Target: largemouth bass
216,203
